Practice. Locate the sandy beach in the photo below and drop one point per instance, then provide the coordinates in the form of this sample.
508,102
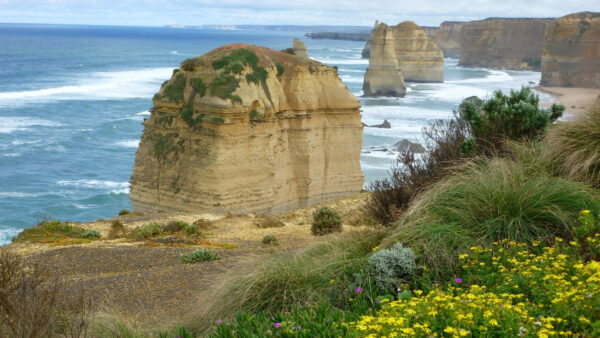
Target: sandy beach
575,100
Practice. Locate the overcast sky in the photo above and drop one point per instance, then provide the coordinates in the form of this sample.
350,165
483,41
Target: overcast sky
298,12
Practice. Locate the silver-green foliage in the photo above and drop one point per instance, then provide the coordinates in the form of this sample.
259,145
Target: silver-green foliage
388,266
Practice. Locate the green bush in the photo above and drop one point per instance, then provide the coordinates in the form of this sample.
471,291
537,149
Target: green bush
223,86
280,69
255,116
217,119
200,255
190,64
486,201
390,266
124,212
199,86
515,116
326,221
150,230
174,90
269,240
53,232
91,234
573,148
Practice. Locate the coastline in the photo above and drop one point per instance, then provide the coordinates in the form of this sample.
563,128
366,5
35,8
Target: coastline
575,100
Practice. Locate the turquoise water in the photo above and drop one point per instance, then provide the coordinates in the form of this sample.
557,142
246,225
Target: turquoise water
72,100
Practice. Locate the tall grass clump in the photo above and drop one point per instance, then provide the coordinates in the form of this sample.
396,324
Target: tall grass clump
282,280
485,201
573,148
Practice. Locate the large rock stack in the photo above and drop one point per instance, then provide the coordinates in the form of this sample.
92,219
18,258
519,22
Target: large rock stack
248,129
419,57
383,76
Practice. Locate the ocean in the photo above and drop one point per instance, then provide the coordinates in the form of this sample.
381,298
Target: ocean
72,100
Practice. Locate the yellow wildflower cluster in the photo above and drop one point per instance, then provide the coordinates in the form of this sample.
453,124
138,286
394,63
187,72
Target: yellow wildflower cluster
508,289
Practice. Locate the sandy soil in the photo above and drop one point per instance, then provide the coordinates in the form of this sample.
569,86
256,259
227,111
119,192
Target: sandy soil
148,283
575,100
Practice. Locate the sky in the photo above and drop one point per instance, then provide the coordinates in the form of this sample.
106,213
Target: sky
271,12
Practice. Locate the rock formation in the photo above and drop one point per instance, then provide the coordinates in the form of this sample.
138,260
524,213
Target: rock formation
386,124
300,48
248,129
571,55
383,76
406,145
420,59
448,37
366,52
504,43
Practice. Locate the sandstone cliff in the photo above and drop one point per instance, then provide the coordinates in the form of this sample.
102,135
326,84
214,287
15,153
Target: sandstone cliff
300,48
571,55
504,43
248,129
383,76
419,57
448,37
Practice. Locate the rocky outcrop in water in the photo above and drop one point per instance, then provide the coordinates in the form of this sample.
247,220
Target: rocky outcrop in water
385,124
571,55
248,129
300,48
449,37
419,57
383,76
504,43
362,36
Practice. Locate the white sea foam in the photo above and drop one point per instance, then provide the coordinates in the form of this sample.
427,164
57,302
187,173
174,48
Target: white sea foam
97,86
351,79
23,142
174,52
343,61
111,186
6,234
9,124
16,194
128,143
145,113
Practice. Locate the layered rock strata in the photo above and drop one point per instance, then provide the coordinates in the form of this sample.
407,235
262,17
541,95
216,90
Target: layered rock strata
571,55
504,43
448,37
248,129
419,57
383,76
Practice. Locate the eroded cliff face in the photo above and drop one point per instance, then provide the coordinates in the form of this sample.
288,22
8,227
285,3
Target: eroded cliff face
383,76
448,37
419,57
504,43
248,129
571,55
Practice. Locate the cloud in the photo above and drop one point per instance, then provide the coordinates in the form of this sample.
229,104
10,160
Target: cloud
308,12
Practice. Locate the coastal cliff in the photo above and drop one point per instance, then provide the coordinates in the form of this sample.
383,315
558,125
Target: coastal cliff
571,55
248,129
419,57
504,43
448,37
383,76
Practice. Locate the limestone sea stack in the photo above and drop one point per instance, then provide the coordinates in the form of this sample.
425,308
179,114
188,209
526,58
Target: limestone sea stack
383,76
300,48
504,43
572,52
419,57
248,129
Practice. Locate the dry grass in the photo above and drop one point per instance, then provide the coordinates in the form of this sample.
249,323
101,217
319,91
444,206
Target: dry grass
573,147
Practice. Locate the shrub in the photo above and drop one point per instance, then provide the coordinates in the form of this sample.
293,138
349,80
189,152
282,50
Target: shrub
269,240
263,221
116,229
217,119
326,221
174,90
486,201
124,212
199,86
573,148
389,266
223,86
175,226
190,64
54,232
255,116
284,280
149,230
280,69
411,175
91,234
515,116
200,255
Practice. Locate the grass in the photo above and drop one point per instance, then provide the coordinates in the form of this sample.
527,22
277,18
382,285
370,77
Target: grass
573,148
283,280
200,255
56,232
489,200
174,90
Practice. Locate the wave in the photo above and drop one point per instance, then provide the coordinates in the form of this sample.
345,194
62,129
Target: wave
494,76
16,194
6,234
111,186
144,113
343,61
128,143
9,124
98,86
351,79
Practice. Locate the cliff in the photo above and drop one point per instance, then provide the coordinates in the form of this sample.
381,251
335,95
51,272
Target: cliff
448,37
504,43
419,57
383,76
300,48
571,56
248,129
